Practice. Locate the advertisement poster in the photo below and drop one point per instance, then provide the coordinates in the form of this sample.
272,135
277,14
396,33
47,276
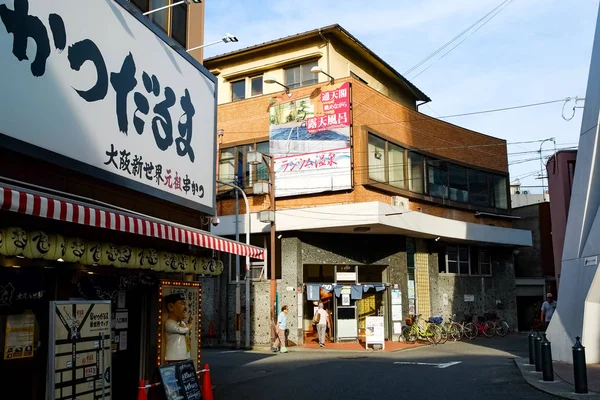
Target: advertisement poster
396,296
374,330
191,292
411,289
19,336
80,351
396,312
310,140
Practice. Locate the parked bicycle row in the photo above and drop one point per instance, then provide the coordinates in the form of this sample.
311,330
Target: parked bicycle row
438,331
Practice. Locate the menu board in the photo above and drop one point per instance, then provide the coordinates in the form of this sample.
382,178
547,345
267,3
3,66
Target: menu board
19,336
80,350
180,381
374,330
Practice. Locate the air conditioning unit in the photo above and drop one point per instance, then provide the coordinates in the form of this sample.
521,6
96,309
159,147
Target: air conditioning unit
400,201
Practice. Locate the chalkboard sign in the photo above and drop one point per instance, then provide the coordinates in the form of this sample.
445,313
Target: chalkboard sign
180,381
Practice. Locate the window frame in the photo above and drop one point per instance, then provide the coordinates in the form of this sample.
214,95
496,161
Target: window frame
232,84
248,176
473,270
262,88
146,5
301,83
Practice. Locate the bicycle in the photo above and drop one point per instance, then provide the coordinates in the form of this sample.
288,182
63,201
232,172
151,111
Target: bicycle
501,327
483,326
457,330
416,330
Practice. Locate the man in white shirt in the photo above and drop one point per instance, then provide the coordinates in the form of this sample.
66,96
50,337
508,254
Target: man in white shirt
323,324
177,328
548,309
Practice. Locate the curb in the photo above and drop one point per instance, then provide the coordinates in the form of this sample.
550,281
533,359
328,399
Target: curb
558,387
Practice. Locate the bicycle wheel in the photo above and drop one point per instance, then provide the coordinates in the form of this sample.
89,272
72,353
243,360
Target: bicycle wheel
433,334
488,329
444,333
409,334
470,330
501,328
456,331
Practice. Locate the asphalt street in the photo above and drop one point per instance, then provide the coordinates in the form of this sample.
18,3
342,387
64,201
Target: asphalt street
483,368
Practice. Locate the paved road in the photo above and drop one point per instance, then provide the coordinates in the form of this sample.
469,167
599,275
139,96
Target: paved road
486,370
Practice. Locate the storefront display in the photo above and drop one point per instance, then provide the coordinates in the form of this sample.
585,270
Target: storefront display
19,336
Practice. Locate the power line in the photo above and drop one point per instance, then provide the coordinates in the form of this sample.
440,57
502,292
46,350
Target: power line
504,109
459,43
452,40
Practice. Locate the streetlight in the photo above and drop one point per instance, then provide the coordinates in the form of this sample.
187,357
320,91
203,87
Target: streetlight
228,38
268,79
256,158
172,5
318,70
237,268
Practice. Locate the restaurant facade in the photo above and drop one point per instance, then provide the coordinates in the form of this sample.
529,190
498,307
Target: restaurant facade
107,192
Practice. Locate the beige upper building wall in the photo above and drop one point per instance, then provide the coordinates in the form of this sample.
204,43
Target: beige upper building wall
333,51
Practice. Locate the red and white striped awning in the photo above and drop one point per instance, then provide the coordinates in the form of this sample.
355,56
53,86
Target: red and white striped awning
41,205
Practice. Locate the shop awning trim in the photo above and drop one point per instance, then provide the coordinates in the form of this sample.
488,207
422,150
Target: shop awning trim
27,202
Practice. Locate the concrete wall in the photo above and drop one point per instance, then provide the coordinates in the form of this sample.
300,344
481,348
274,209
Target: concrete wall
528,262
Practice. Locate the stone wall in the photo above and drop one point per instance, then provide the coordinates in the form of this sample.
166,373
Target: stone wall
486,290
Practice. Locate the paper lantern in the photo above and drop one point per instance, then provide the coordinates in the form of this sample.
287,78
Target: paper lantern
74,250
149,259
166,262
126,258
184,263
218,267
109,254
38,244
93,253
57,247
196,264
14,241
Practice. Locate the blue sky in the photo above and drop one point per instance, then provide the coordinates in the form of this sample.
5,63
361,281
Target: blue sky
532,51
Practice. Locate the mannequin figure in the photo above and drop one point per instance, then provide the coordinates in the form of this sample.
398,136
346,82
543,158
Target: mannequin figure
177,328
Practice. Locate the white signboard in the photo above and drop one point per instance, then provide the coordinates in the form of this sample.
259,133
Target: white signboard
346,276
110,99
469,298
374,332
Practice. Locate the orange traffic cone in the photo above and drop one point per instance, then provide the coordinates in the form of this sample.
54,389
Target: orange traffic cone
211,330
142,395
207,393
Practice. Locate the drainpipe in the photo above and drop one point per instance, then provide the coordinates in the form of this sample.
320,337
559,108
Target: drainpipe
421,104
328,44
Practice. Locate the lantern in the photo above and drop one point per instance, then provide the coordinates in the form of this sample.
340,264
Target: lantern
125,257
57,247
218,267
93,253
14,241
136,258
149,259
184,262
195,264
109,254
74,250
38,244
166,262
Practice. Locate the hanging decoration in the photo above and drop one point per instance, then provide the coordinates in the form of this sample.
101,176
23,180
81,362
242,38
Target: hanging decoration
56,247
14,240
74,250
38,244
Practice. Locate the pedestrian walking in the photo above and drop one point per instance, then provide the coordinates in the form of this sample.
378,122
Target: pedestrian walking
322,319
279,344
548,309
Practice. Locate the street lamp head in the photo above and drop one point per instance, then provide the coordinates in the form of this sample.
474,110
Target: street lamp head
268,79
229,38
316,69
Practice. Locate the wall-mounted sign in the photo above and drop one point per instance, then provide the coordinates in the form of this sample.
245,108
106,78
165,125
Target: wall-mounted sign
113,99
346,276
396,297
310,139
590,261
469,298
19,336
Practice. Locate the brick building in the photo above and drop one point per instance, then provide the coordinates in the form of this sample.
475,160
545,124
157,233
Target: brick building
381,210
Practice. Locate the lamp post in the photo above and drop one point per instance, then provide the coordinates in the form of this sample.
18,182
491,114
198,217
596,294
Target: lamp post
542,165
318,70
256,158
172,5
228,38
237,271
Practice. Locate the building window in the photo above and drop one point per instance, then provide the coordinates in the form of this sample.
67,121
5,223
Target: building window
459,183
479,192
238,90
256,86
234,167
500,195
467,261
437,178
300,75
376,158
415,172
173,20
396,165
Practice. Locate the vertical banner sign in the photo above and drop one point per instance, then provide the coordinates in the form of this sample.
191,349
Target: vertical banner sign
191,291
310,140
80,350
375,331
